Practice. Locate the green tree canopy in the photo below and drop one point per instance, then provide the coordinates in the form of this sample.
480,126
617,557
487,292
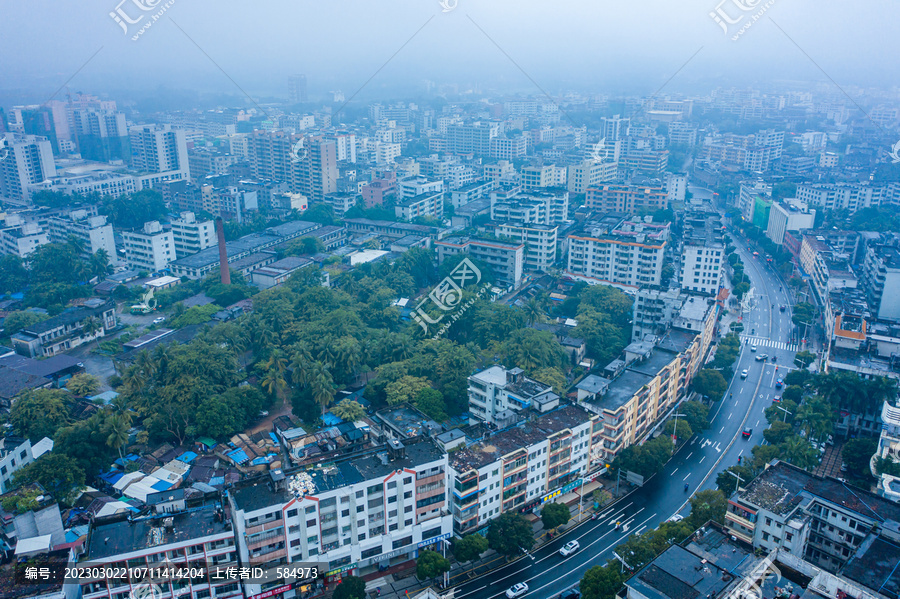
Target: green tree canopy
470,547
431,564
510,534
707,505
349,410
60,476
601,582
711,383
83,385
40,413
351,587
554,515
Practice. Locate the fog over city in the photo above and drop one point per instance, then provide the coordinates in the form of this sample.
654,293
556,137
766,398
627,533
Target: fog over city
591,46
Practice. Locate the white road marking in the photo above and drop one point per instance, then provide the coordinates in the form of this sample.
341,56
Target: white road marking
689,455
674,471
722,431
686,476
701,460
730,414
742,452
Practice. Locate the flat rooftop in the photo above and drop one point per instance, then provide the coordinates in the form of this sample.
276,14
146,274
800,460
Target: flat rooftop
679,574
876,565
623,387
115,538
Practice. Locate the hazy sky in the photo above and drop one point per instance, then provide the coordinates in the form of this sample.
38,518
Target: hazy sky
593,46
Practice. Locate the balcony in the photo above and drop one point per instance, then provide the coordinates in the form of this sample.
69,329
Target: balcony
265,539
269,525
257,559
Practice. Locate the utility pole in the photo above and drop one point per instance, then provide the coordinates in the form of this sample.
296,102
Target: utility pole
675,432
738,482
785,413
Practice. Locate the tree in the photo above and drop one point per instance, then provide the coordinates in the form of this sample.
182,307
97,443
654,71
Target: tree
711,383
351,587
20,319
857,453
431,403
405,389
60,476
728,484
349,410
40,413
681,428
510,534
697,415
804,358
707,505
554,515
431,564
804,313
132,211
304,246
469,548
798,451
82,385
793,393
601,582
778,432
117,432
764,454
553,377
13,275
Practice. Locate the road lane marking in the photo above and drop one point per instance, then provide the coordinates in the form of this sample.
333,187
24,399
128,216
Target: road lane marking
722,431
686,476
689,455
701,460
730,415
674,471
757,423
742,452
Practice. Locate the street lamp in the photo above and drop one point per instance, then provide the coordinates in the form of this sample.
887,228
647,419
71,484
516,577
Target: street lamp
785,413
738,482
675,432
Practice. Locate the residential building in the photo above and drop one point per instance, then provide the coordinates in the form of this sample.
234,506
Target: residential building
682,134
543,176
542,208
755,153
19,238
790,215
15,452
502,171
506,260
646,161
750,190
190,235
341,202
296,89
316,175
626,198
66,331
840,196
702,253
379,190
676,187
824,520
473,191
509,148
159,149
540,243
416,186
203,534
29,160
614,128
428,204
590,173
518,469
386,153
880,279
101,134
828,267
91,230
151,248
378,509
497,395
654,310
102,183
474,138
889,449
618,251
278,272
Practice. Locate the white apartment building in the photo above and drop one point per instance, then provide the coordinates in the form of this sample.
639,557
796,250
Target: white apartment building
589,173
159,149
428,204
790,215
537,207
15,453
102,183
93,232
386,153
415,186
503,171
676,187
190,235
497,394
543,176
29,160
540,243
200,535
522,467
750,190
626,253
701,271
889,449
19,238
506,260
378,509
341,202
840,196
151,248
509,148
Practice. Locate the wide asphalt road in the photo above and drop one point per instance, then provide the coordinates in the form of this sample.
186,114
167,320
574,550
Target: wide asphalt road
697,463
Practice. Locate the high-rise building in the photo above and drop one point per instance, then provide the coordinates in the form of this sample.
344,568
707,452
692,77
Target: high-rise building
190,235
89,228
619,251
790,215
590,173
102,135
159,149
151,248
506,260
474,138
626,198
317,174
296,89
614,128
40,121
28,160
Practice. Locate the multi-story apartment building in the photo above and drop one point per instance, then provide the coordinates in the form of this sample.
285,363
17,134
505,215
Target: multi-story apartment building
509,148
428,204
540,243
379,190
341,202
533,177
15,452
296,89
101,183
647,161
824,520
415,186
317,174
626,198
590,173
496,395
790,215
654,376
701,269
159,149
829,267
191,235
506,260
754,153
653,311
201,534
502,171
474,138
19,238
750,190
619,251
206,161
353,515
880,279
67,330
473,191
841,196
101,134
386,153
29,160
91,230
614,128
682,134
151,248
520,468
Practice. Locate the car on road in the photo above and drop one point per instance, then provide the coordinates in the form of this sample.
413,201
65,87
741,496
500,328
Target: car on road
159,319
517,590
752,348
744,373
779,384
570,594
782,308
776,399
762,357
747,432
676,518
569,548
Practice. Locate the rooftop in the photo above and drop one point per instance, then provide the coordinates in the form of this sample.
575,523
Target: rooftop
119,536
876,565
636,375
679,574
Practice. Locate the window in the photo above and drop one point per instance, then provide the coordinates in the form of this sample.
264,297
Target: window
407,523
407,481
359,494
392,485
345,513
392,499
310,523
393,527
407,495
367,553
291,513
392,514
360,508
313,551
311,509
407,509
361,537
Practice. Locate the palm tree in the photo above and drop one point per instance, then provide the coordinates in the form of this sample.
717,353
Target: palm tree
274,380
800,453
117,434
90,327
321,385
533,311
99,265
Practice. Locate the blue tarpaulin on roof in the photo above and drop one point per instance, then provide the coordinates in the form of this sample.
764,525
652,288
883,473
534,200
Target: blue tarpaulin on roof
112,477
162,485
275,438
187,457
259,461
216,481
238,456
330,419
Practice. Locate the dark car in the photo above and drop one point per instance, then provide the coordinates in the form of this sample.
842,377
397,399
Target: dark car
782,308
779,384
747,433
570,594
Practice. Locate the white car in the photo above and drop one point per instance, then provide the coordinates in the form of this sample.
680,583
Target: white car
743,374
517,590
569,548
752,348
159,319
676,518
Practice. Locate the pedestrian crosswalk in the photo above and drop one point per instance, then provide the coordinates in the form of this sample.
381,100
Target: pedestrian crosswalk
763,342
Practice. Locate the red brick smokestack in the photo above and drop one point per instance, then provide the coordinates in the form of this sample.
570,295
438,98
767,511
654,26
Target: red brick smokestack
223,254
